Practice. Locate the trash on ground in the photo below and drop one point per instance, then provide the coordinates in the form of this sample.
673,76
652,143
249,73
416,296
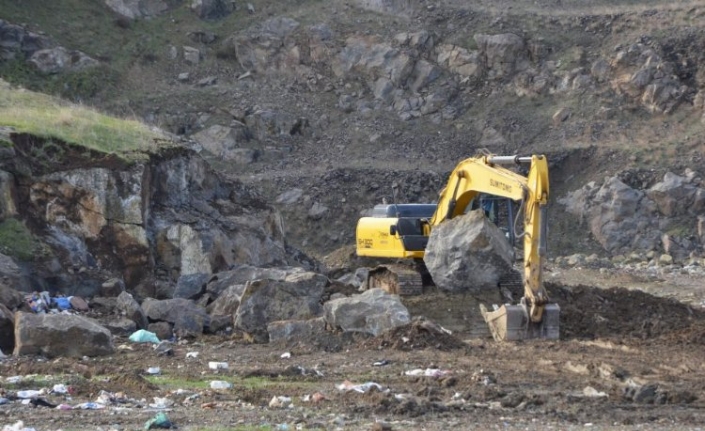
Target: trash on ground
280,402
161,403
428,372
154,370
13,379
18,426
315,398
220,384
192,355
144,336
164,348
348,386
89,406
381,363
589,391
286,355
161,420
41,402
3,401
218,365
29,394
59,389
64,407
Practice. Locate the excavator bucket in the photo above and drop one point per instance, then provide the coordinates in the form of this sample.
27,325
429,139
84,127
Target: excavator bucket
511,323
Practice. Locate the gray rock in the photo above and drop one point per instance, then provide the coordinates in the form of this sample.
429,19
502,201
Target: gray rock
212,9
128,306
55,335
184,76
317,211
674,195
504,54
227,302
191,286
7,329
17,42
112,287
297,297
121,326
244,273
163,330
107,305
192,55
9,297
372,312
295,330
219,323
57,60
289,197
170,310
468,253
8,207
135,9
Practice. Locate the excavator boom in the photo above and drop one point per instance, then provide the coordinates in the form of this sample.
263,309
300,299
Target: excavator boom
398,236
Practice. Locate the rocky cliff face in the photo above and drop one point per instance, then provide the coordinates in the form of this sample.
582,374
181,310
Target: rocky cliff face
155,220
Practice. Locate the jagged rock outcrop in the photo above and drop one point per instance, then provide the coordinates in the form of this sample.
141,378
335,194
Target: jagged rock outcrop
623,219
135,9
64,335
7,330
18,42
373,312
468,253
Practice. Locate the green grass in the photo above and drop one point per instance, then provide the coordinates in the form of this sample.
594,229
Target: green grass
49,117
17,241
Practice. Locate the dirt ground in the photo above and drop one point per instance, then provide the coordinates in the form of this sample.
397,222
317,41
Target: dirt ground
626,360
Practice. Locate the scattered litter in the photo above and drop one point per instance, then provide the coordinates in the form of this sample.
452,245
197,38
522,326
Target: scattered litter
4,401
125,347
164,349
315,398
2,355
18,426
89,406
161,403
218,365
143,336
192,355
28,394
283,427
220,384
161,420
60,389
154,370
280,402
428,372
64,407
348,386
286,355
589,391
13,379
381,363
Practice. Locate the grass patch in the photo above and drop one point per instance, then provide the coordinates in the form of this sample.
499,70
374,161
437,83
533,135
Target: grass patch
49,117
17,241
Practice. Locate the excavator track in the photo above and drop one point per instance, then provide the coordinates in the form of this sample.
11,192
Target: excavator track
396,279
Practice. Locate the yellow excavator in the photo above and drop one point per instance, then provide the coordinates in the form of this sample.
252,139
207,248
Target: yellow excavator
403,231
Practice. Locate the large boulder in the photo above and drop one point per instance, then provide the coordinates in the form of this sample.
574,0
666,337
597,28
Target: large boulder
296,297
244,273
18,42
191,286
620,218
227,302
9,297
56,60
675,196
128,306
296,330
468,253
373,312
188,318
7,330
55,335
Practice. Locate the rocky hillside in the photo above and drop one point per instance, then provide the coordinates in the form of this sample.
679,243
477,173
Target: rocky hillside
322,106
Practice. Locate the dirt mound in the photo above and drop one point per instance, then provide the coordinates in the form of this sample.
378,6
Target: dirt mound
130,383
590,312
421,333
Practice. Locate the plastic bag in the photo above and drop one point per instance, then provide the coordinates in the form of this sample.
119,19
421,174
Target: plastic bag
143,336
